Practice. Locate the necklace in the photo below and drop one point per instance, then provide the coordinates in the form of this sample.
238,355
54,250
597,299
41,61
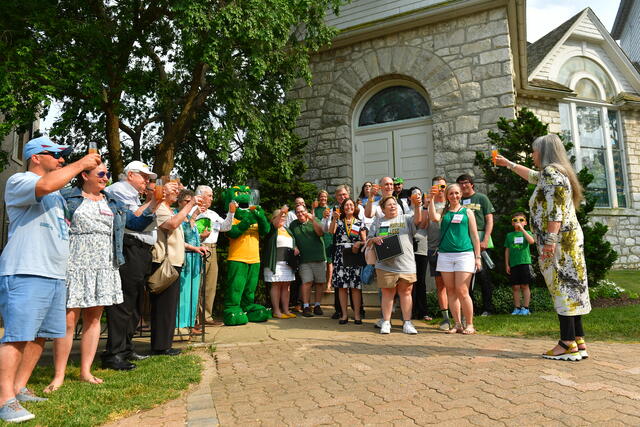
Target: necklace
349,224
93,197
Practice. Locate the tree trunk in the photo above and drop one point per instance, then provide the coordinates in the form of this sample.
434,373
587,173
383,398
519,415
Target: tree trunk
113,142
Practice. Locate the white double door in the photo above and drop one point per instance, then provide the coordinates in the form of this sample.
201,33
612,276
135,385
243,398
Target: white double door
406,152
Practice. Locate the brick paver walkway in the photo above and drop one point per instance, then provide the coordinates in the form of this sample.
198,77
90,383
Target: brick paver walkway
316,372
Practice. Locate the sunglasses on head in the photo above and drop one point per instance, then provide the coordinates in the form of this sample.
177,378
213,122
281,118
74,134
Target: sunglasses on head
520,219
56,156
102,174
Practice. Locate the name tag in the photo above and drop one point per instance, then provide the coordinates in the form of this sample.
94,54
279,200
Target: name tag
466,202
355,228
457,219
106,212
518,240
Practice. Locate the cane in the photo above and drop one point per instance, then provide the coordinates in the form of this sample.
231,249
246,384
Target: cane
203,292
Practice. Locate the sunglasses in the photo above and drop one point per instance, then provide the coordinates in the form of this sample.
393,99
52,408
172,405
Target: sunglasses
102,174
518,220
56,156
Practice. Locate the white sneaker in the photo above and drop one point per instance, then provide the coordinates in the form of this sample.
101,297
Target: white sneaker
385,327
408,328
378,323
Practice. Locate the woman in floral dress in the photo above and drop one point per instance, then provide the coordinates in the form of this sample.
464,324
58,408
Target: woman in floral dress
559,240
350,233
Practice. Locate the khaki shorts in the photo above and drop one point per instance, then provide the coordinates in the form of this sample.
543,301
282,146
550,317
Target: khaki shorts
388,279
313,272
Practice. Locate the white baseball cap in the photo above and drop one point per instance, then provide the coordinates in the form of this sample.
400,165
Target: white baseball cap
138,166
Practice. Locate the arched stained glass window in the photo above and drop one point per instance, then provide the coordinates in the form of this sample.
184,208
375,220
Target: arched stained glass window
583,64
392,104
587,89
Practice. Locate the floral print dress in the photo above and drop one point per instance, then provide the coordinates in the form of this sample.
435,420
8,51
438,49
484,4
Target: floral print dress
565,273
345,237
92,275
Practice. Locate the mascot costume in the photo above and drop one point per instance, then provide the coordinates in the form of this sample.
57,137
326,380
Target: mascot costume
243,262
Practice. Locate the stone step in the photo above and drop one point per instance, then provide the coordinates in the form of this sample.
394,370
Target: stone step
369,296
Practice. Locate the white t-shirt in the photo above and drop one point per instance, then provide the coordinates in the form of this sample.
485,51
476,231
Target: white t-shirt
38,242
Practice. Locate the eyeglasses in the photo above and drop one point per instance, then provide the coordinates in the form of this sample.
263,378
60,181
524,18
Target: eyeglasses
102,174
464,183
56,156
518,219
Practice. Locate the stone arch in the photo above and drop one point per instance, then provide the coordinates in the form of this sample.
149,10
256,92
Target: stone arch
405,62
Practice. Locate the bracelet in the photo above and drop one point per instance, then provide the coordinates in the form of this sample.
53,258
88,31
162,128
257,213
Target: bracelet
512,165
551,238
478,257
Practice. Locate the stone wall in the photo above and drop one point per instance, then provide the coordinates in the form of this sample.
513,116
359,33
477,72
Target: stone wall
545,109
464,65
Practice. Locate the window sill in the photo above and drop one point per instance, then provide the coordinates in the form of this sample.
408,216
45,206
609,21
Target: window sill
614,212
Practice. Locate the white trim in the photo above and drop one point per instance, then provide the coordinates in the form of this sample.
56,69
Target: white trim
588,76
554,70
611,176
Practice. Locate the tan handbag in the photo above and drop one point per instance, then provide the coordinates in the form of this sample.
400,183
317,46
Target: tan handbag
163,277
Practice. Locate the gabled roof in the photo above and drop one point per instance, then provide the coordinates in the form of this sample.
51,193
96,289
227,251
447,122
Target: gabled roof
537,51
621,18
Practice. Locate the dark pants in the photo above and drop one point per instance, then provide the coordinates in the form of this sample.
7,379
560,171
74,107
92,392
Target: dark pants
570,327
163,314
483,279
294,291
122,319
419,291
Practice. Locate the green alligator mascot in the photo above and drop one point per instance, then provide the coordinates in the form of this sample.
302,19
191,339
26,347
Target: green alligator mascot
243,262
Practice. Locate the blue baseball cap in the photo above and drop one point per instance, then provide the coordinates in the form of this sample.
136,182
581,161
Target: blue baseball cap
42,144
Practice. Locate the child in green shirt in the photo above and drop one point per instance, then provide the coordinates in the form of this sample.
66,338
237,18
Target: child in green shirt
517,258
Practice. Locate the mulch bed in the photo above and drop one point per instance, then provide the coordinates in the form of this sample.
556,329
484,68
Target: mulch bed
614,302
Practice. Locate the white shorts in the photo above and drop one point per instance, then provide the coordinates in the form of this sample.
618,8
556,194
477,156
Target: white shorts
283,273
456,261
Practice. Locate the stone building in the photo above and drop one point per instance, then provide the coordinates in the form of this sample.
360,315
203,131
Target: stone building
410,88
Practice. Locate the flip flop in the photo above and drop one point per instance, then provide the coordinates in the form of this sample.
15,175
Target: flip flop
469,330
51,388
92,380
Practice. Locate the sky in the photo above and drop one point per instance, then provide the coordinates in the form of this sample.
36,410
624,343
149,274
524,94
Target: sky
545,15
542,17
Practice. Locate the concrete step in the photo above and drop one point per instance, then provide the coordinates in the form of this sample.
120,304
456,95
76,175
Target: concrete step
369,296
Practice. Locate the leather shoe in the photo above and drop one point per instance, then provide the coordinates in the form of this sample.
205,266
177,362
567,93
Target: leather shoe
133,357
166,352
336,315
117,364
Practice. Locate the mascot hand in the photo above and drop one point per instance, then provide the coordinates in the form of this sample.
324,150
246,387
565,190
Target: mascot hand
259,212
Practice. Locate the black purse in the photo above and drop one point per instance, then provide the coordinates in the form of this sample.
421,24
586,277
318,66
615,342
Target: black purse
292,260
349,259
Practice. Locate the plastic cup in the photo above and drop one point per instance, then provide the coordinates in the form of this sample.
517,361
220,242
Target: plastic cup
158,191
93,147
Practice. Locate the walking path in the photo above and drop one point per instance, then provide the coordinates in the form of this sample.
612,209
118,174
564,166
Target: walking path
316,372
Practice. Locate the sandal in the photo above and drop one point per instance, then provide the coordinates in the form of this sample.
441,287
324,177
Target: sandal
51,388
427,318
571,353
455,330
92,380
583,350
469,330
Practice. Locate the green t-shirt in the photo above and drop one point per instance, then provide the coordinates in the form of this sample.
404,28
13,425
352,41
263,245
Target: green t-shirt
454,232
481,206
308,242
519,252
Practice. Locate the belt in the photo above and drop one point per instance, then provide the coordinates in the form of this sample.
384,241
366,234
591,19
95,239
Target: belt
213,245
132,241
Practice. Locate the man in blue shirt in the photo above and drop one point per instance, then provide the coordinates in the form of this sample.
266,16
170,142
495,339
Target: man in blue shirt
33,267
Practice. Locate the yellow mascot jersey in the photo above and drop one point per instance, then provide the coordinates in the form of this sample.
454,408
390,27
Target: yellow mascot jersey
245,248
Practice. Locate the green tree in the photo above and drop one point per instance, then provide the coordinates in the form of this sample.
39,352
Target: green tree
509,194
196,84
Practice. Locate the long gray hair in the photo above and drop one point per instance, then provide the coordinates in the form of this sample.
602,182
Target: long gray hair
552,152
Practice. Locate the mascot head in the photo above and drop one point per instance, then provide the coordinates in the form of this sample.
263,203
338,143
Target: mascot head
241,194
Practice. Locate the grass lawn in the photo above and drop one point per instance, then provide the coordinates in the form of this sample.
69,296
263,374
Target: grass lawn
628,279
618,324
156,380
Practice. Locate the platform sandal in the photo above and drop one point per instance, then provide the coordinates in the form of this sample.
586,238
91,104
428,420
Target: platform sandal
570,353
582,351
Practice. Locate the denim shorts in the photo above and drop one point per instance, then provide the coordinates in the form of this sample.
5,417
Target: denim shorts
32,307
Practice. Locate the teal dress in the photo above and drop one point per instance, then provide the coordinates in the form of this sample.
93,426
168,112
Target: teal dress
189,279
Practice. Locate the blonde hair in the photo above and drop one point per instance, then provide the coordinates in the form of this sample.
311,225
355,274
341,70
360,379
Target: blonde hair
325,192
553,153
446,198
275,215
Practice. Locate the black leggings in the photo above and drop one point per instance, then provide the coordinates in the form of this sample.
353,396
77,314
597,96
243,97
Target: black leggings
570,327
